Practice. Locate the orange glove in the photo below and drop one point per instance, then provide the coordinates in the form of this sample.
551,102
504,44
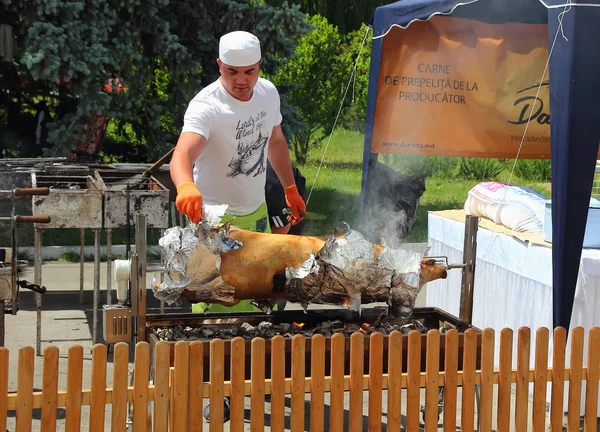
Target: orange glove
295,203
189,201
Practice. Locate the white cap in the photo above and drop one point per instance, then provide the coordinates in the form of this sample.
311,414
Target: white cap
239,48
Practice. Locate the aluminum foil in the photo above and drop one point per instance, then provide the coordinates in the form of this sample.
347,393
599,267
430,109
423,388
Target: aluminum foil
177,244
203,242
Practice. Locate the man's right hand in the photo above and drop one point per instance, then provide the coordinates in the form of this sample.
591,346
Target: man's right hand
189,201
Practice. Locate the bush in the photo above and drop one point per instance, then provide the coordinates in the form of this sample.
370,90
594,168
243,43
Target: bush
431,166
69,256
534,169
441,166
479,168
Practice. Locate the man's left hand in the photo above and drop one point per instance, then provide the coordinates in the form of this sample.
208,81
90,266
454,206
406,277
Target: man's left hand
295,203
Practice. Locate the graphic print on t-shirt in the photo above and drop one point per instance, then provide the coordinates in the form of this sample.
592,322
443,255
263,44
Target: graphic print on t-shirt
251,150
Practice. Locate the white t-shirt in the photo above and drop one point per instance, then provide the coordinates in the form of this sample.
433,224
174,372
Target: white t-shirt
232,168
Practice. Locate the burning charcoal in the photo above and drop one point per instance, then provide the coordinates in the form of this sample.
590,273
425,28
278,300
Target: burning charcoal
297,327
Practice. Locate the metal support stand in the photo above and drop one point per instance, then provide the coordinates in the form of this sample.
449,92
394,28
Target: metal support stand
108,265
140,272
163,263
81,263
468,273
37,271
96,285
2,323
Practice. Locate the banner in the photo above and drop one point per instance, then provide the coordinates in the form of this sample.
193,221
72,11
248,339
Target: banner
457,87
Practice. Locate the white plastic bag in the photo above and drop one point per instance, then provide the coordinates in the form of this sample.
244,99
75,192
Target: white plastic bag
519,208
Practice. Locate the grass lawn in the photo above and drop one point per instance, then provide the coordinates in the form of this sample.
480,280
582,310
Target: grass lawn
336,191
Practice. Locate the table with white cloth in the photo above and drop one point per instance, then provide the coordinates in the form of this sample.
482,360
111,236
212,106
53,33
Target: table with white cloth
513,281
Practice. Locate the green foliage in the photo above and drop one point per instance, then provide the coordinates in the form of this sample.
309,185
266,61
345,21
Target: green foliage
346,15
69,256
441,167
479,168
355,107
533,169
431,166
164,53
313,87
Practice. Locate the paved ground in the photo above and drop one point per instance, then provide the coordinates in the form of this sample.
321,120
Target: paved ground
66,322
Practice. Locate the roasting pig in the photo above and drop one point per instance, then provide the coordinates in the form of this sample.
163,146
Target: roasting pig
224,264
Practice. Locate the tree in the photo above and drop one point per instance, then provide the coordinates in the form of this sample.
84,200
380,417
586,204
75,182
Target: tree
355,52
314,87
163,51
346,15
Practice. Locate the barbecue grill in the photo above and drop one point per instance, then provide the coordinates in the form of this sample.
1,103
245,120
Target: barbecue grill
423,319
128,319
85,196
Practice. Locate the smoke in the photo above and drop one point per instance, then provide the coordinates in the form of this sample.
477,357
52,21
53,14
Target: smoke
390,204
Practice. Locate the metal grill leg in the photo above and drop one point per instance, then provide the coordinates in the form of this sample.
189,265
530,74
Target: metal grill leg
37,271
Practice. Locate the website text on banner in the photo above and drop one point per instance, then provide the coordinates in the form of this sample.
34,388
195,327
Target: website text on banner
456,87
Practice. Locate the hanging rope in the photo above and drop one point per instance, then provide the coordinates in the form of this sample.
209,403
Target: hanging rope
558,30
352,76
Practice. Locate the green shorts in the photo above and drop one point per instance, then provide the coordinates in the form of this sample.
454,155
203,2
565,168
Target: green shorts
257,222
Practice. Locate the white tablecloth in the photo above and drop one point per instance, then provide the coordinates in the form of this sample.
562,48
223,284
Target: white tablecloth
513,283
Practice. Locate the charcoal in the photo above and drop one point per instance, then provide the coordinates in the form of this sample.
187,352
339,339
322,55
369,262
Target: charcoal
248,327
337,324
267,329
208,333
285,327
265,326
324,326
351,328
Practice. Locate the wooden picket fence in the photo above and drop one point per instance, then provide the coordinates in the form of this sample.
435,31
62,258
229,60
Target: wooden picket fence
178,392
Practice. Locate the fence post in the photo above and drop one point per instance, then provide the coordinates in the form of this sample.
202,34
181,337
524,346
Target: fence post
394,381
277,383
257,385
432,387
317,383
298,378
49,389
559,344
541,379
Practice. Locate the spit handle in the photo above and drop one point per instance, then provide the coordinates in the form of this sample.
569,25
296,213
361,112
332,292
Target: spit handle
32,191
32,219
32,287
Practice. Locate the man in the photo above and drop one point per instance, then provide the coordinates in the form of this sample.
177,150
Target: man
230,129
